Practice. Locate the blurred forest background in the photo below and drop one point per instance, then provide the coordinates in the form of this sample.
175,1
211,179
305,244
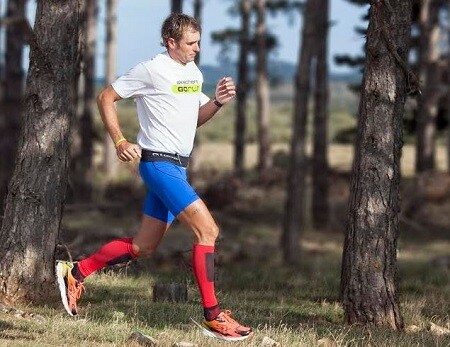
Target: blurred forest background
276,167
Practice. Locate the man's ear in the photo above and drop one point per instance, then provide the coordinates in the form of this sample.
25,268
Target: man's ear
171,43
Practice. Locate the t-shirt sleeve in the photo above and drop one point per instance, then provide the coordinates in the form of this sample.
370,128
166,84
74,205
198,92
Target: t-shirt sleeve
136,82
203,99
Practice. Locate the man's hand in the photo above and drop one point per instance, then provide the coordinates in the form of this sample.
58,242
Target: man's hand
225,90
128,151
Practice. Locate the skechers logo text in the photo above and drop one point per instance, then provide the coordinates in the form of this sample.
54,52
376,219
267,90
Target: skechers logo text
186,89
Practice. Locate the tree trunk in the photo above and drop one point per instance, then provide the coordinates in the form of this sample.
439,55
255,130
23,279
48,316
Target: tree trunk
37,190
262,92
83,175
448,87
198,5
369,268
194,162
110,161
320,207
295,203
242,89
11,102
429,77
177,6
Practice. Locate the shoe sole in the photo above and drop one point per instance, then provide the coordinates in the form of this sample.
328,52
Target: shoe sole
62,287
214,335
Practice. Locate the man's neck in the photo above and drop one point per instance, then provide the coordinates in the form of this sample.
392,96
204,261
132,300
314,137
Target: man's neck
175,60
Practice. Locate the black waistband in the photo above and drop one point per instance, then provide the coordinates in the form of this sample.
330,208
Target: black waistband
147,155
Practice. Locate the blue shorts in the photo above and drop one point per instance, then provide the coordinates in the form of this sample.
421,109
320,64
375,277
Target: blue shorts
168,191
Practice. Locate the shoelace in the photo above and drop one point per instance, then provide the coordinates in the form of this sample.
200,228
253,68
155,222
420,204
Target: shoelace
224,326
76,289
227,317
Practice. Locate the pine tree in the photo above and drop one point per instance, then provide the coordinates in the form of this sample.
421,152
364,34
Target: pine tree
11,100
38,186
369,269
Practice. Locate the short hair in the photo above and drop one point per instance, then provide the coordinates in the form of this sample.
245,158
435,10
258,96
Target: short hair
175,25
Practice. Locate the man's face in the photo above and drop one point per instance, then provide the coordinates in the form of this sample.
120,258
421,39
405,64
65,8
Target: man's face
185,50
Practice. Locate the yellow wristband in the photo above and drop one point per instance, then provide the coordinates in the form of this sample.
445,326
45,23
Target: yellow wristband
119,141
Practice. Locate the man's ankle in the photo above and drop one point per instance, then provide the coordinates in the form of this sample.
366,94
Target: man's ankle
211,313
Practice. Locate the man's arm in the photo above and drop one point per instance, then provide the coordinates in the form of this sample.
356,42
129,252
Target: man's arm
225,91
106,104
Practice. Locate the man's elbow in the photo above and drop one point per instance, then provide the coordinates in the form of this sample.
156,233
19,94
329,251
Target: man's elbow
107,95
102,97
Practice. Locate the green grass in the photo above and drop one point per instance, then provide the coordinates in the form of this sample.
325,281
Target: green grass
294,306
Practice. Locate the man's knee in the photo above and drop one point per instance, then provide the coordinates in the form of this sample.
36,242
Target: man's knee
143,250
209,234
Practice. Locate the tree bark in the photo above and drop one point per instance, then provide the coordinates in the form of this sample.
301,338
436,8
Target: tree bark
430,80
198,6
194,162
265,160
83,171
294,216
448,87
242,89
110,161
369,267
37,190
11,102
177,6
320,207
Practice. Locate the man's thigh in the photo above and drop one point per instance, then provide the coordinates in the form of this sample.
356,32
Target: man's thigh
169,183
198,219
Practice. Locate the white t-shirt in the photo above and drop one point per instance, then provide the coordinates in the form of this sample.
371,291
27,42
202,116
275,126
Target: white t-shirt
168,96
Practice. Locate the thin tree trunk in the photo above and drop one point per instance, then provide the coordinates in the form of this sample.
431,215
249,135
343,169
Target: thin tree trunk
242,89
262,92
429,76
82,129
177,6
78,107
369,267
2,50
294,216
194,162
37,190
320,207
84,174
198,6
11,102
448,87
110,163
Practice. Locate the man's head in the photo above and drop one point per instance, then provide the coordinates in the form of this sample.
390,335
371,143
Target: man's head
180,34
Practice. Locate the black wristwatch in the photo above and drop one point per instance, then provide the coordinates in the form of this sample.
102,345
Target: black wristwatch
217,103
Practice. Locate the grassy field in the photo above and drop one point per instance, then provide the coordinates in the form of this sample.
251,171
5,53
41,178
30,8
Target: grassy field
295,306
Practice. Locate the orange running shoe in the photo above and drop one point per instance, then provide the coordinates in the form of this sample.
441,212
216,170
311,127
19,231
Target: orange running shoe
226,328
69,287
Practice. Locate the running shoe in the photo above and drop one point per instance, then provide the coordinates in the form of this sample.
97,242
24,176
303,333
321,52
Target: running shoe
226,328
69,287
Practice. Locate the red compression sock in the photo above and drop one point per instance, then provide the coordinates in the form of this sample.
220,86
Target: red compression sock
203,267
114,252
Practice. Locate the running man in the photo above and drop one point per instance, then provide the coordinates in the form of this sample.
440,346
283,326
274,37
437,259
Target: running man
170,106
